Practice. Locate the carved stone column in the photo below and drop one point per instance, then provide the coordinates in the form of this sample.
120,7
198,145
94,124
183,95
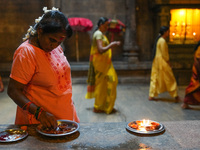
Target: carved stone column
164,16
131,48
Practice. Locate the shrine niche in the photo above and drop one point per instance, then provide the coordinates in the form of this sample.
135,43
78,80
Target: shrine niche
184,26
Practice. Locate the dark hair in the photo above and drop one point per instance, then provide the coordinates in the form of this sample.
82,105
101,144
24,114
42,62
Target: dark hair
54,21
197,46
163,29
101,21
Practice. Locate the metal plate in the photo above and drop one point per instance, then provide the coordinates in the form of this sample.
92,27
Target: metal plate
12,135
71,125
156,131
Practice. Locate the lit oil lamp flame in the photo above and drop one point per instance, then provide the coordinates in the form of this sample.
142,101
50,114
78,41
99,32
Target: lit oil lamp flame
142,126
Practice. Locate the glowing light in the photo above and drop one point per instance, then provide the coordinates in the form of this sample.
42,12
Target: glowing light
184,25
182,12
144,124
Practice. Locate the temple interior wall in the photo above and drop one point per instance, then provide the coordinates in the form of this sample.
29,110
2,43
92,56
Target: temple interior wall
149,15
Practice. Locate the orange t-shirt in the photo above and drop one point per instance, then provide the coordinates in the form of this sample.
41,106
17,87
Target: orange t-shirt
47,76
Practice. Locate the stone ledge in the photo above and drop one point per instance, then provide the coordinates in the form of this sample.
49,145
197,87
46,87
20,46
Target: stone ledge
121,80
178,135
127,73
119,65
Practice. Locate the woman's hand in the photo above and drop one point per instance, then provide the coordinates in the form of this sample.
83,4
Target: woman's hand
102,49
48,120
15,91
115,43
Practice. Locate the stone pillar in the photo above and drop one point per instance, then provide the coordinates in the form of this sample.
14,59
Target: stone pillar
131,48
164,16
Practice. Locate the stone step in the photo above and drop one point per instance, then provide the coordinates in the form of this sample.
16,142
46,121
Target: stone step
121,80
137,73
127,72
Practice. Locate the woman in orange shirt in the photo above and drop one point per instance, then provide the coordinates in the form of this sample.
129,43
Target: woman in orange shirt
40,79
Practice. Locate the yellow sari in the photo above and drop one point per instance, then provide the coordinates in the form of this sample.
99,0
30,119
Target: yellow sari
102,78
162,77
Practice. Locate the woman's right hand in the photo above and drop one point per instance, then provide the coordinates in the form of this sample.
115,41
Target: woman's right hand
48,120
116,43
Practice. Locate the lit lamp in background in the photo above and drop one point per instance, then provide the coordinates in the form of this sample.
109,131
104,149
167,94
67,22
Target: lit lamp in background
173,35
194,35
185,23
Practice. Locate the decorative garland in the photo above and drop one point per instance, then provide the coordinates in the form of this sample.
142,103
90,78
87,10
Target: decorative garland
31,30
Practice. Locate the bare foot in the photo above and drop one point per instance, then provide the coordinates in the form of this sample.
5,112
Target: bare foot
97,111
114,110
178,99
185,106
152,98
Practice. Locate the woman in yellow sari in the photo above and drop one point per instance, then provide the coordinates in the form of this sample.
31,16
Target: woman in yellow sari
162,78
102,78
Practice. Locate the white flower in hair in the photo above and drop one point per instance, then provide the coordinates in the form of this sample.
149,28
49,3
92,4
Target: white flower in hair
46,10
55,9
26,36
33,32
38,20
29,30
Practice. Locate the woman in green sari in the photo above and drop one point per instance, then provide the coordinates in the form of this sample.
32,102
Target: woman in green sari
102,78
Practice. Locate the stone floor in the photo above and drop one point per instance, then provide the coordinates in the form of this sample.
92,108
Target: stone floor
131,104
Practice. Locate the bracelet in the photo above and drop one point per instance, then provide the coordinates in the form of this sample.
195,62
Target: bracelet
38,112
26,106
41,110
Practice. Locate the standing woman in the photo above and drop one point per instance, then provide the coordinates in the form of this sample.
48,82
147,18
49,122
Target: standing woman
192,92
40,79
162,78
1,85
102,78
